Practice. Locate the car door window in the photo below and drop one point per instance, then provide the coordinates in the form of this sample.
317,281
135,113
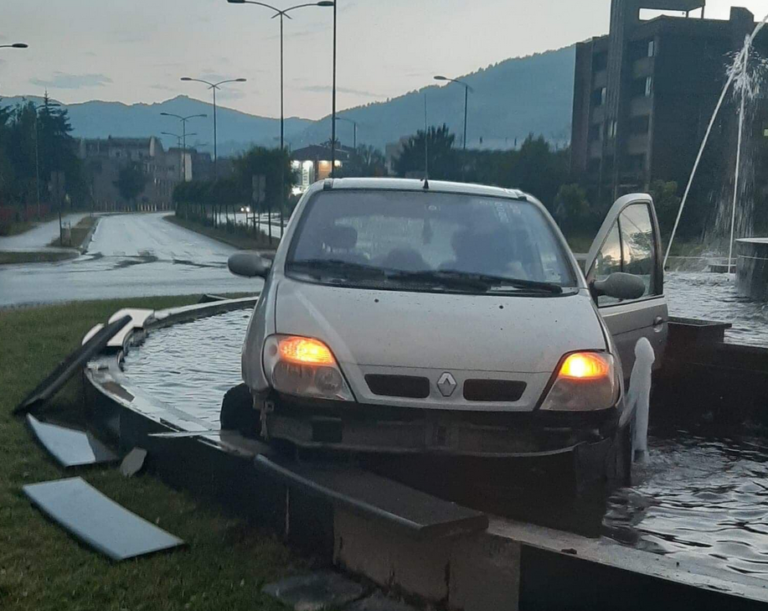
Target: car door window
638,252
609,261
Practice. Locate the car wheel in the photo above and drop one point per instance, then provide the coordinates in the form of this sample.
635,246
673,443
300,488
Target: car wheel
237,413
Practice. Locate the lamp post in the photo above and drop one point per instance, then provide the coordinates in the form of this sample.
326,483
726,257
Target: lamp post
183,136
214,87
16,45
177,136
355,124
467,89
283,14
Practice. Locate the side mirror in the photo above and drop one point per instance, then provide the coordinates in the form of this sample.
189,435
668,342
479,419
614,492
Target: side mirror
249,265
620,286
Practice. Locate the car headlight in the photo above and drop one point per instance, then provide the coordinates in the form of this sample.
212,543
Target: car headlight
585,382
304,367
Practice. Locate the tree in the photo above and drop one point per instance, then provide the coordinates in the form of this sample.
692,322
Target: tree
571,205
444,163
366,161
131,182
667,203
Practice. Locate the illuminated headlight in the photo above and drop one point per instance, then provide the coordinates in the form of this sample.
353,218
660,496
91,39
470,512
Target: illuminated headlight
304,367
586,381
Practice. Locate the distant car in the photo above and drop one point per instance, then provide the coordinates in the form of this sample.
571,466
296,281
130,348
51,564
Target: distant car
411,318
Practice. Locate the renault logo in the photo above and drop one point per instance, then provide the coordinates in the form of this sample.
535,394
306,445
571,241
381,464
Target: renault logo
447,384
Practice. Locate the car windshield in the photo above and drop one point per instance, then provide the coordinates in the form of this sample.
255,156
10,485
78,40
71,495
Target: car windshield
428,241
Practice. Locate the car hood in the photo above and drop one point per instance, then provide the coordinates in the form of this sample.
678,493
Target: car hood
512,334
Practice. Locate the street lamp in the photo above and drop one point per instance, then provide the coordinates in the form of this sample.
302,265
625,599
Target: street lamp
214,87
355,124
177,136
184,134
283,14
467,89
16,45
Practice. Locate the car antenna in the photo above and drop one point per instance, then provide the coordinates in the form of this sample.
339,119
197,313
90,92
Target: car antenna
426,145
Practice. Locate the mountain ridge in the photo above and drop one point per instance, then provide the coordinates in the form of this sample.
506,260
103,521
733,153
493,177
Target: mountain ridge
511,99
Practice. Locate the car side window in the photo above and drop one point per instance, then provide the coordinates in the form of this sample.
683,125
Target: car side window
608,261
638,252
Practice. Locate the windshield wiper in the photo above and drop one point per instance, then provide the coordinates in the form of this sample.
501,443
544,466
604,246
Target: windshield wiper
477,281
320,268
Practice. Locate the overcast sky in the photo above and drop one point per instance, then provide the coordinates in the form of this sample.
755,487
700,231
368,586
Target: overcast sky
136,50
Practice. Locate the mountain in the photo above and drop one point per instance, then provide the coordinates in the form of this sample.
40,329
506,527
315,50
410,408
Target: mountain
510,100
237,130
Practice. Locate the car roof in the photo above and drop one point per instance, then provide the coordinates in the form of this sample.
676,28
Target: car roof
435,186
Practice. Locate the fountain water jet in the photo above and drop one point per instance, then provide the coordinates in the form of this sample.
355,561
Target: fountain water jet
737,73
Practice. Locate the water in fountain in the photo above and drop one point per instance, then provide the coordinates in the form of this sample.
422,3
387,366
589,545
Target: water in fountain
735,202
746,73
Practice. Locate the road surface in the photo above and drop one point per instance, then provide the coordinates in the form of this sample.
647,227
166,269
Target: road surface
39,236
134,255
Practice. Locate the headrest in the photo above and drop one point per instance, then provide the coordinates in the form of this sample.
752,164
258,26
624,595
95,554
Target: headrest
341,237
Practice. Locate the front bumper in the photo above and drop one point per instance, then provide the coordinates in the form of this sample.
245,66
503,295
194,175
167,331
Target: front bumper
376,430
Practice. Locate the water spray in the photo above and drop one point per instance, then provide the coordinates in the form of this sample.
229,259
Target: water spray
741,59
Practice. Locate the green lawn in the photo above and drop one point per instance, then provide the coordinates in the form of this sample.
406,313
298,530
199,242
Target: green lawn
240,240
42,568
78,234
42,256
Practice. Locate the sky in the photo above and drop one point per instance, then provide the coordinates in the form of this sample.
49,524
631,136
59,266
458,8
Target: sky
136,50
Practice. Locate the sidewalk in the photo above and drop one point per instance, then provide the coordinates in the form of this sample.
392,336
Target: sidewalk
39,236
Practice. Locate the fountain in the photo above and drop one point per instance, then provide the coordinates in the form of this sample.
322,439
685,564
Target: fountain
745,76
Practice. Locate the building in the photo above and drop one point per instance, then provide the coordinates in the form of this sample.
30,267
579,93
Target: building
313,163
644,95
105,158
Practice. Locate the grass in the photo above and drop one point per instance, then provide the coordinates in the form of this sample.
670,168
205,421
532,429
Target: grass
13,257
78,234
238,240
42,568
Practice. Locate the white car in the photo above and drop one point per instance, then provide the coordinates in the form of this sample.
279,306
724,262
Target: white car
440,318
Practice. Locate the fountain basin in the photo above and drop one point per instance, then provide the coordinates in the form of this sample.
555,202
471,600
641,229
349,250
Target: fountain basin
752,269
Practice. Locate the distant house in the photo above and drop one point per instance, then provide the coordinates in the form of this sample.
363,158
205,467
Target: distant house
105,158
313,163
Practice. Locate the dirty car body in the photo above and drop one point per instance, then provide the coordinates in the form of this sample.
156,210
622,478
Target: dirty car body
448,319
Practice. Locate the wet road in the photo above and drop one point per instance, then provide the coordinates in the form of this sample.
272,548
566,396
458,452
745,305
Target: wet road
39,236
130,256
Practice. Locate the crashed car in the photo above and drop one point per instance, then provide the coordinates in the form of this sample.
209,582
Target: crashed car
412,317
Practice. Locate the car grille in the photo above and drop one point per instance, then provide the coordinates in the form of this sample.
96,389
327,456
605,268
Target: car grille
405,387
493,391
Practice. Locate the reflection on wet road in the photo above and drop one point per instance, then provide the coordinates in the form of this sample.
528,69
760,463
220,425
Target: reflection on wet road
702,497
130,256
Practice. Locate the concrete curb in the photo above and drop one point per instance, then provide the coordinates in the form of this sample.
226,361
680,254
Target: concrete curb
87,241
221,239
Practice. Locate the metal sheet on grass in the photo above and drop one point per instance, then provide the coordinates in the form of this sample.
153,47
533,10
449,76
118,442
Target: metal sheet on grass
97,520
70,447
70,366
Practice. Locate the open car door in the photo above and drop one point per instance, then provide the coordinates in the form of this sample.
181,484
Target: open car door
629,241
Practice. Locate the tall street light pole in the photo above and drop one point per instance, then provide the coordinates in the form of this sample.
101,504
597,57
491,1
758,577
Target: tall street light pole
16,45
354,123
283,14
183,136
214,87
467,89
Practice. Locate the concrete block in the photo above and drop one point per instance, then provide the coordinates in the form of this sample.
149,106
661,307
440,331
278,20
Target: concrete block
379,602
315,592
485,574
390,558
